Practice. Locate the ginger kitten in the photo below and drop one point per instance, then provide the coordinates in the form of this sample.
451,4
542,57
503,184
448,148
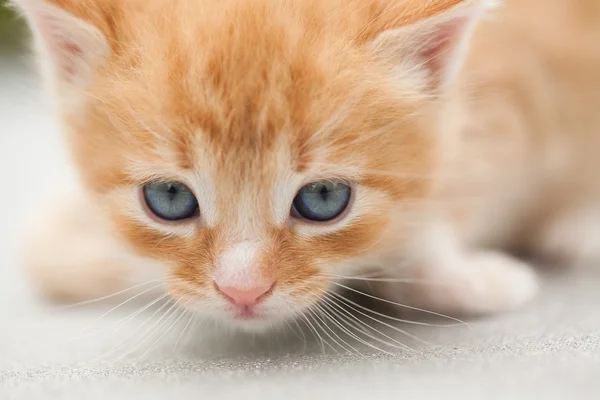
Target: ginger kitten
260,151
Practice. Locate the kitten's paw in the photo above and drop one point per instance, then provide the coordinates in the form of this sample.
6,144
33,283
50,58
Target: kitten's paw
479,284
499,283
570,241
70,254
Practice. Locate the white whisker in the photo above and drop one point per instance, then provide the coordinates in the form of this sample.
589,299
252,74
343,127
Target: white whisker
181,314
316,332
390,280
125,320
402,331
312,315
401,305
117,306
355,322
110,296
150,331
333,321
348,332
124,340
192,317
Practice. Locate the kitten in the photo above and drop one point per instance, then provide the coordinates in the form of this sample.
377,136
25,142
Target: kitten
260,151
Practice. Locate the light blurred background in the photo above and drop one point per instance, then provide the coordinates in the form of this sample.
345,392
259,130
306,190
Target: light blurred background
32,159
547,351
12,31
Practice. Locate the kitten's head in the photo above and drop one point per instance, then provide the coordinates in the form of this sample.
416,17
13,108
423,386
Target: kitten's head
259,149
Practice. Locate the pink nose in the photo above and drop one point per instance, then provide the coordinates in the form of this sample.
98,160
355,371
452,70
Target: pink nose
245,297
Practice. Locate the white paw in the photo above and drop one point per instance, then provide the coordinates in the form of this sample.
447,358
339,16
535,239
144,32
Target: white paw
500,283
473,284
70,253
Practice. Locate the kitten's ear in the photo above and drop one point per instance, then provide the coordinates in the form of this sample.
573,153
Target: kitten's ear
70,46
430,49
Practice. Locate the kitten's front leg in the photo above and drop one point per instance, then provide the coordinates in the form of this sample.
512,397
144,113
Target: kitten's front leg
71,254
452,280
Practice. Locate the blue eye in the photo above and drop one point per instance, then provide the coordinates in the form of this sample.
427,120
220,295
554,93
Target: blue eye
322,201
171,201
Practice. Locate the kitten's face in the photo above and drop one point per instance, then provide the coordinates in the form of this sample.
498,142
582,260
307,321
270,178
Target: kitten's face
257,150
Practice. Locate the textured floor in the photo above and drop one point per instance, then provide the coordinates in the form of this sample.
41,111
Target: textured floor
549,350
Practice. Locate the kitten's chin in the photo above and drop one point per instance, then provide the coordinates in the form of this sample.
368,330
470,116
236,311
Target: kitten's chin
254,325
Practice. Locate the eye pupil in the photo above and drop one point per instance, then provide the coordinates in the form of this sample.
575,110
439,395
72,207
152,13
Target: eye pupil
321,201
170,201
324,193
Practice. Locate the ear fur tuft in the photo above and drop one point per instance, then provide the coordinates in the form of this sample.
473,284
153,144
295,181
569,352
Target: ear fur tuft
431,50
70,48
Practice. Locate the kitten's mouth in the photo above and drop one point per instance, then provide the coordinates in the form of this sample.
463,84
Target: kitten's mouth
247,313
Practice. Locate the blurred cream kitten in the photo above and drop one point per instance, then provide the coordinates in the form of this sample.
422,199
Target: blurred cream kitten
261,151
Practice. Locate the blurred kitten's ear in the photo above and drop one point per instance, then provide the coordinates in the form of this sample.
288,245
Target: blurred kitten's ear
71,47
430,48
